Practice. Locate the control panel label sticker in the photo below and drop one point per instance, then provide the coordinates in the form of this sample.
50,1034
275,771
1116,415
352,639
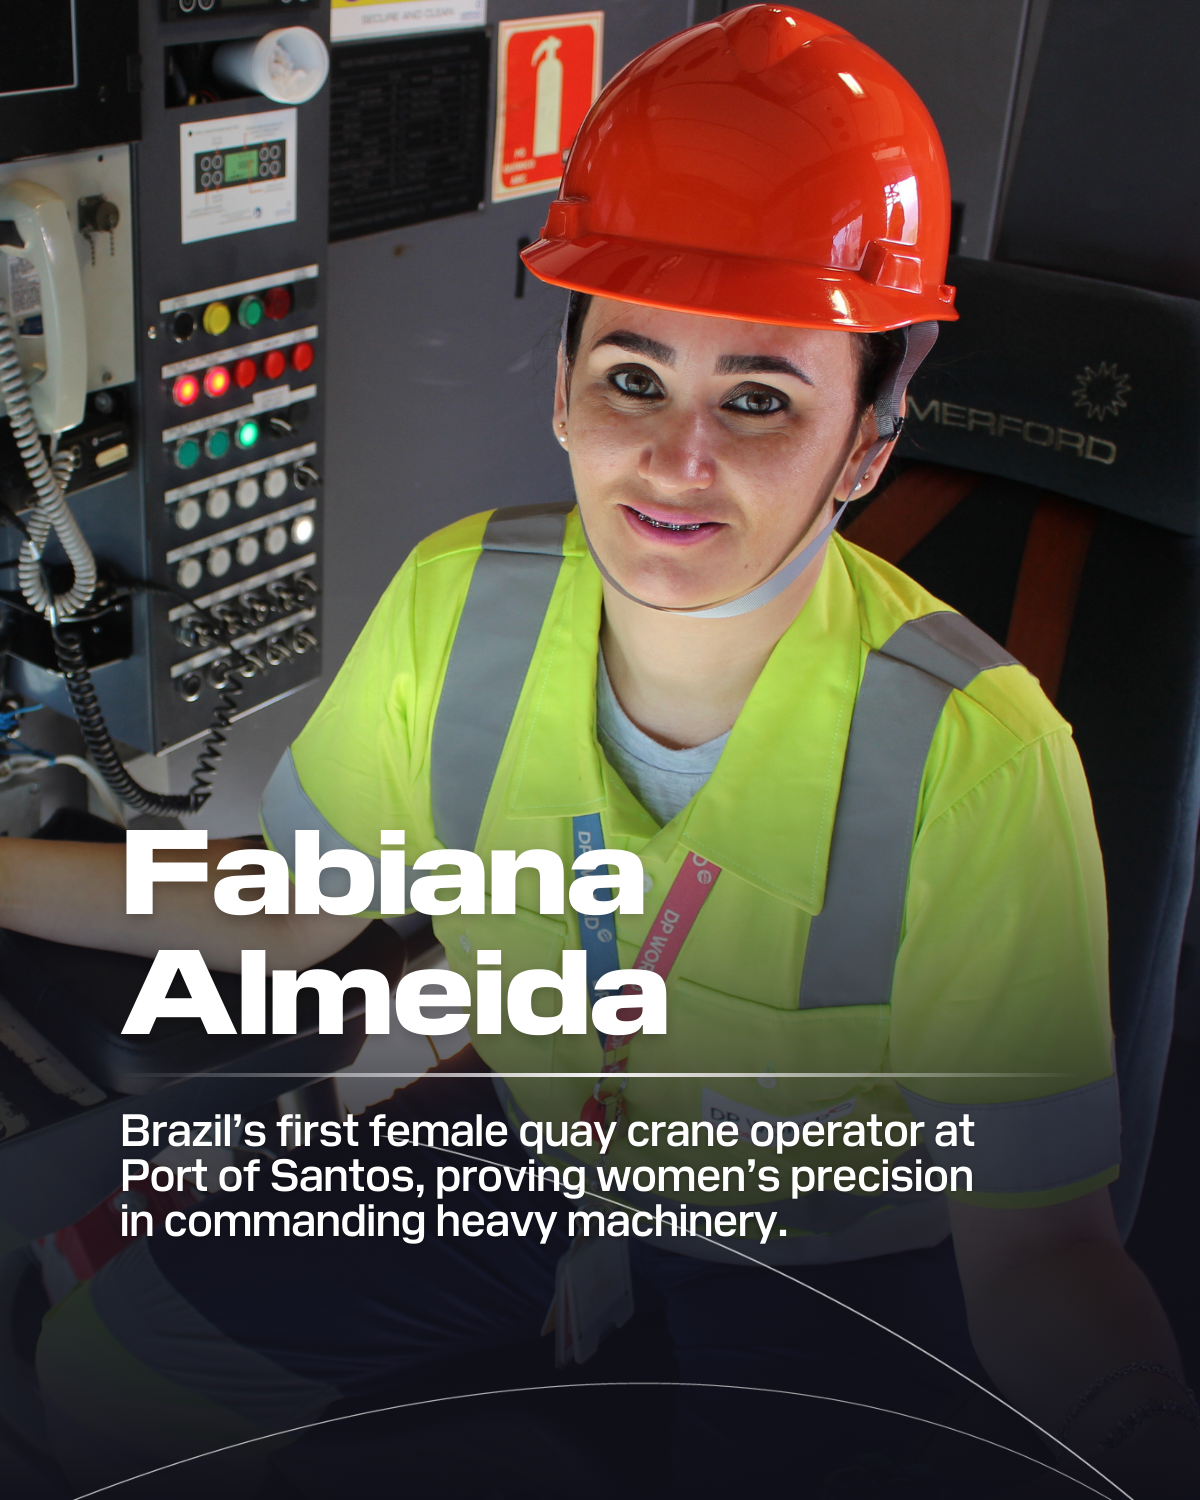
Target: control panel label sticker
237,174
548,76
358,20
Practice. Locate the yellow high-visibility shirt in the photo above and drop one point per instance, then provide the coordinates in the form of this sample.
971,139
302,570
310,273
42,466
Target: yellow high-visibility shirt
999,1005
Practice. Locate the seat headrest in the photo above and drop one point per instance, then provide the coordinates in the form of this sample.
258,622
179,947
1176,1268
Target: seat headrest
1083,387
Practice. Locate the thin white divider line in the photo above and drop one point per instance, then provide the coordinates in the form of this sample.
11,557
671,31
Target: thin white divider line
594,1073
845,1306
594,1385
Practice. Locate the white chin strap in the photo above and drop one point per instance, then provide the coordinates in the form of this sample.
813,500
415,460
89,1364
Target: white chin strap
919,339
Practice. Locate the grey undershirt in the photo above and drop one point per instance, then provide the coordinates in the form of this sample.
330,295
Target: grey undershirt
662,780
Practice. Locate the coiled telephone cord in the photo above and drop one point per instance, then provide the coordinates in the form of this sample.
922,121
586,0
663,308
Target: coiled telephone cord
49,478
68,647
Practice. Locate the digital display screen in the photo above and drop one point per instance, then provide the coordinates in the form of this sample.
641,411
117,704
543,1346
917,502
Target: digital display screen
37,46
241,166
236,166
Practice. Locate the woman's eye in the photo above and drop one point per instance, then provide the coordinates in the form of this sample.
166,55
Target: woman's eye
758,403
639,383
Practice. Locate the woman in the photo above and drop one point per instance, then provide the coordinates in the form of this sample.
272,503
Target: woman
895,910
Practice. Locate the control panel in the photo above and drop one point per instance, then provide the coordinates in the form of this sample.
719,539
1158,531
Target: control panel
240,463
232,195
180,375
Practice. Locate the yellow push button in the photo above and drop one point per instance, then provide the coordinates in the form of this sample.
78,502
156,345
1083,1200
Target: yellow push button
217,318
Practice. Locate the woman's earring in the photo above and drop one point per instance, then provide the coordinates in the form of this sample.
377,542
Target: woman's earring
562,433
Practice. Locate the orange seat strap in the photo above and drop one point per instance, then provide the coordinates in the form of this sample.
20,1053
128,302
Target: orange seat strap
909,509
1048,586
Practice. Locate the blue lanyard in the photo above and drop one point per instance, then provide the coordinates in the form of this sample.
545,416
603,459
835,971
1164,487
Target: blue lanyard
597,935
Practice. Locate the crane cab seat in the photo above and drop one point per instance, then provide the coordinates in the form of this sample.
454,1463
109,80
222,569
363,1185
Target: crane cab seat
1047,485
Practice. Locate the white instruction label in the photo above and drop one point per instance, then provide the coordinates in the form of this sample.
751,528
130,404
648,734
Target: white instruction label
25,288
356,20
237,174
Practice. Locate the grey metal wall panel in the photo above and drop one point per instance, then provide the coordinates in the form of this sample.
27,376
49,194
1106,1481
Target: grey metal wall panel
440,383
1103,182
965,61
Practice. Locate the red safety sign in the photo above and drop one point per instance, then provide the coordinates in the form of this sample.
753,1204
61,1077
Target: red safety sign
548,77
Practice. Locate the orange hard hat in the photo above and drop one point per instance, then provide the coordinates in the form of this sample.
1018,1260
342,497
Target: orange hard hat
765,166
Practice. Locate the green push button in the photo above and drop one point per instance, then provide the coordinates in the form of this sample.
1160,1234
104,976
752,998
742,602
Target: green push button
216,444
246,434
250,312
187,453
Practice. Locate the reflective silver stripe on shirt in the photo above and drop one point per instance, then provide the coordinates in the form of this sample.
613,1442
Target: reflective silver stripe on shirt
286,807
158,1327
854,939
497,634
1029,1145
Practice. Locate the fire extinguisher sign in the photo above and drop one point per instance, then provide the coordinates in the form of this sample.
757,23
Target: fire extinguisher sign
548,76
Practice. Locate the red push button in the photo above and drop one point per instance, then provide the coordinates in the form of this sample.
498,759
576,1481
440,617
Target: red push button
216,380
186,390
274,364
277,303
303,356
245,372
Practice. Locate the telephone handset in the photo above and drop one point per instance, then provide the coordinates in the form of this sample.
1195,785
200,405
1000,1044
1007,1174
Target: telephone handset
43,383
43,283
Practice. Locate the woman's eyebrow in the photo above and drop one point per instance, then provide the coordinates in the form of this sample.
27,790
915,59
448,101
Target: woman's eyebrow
759,364
637,343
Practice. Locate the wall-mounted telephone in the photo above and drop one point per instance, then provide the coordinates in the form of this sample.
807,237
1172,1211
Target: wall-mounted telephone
44,379
45,300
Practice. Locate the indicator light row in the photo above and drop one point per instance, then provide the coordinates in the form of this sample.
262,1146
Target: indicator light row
218,380
246,494
246,552
218,317
216,443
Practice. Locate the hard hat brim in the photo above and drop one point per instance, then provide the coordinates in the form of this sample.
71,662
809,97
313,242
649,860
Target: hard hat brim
749,289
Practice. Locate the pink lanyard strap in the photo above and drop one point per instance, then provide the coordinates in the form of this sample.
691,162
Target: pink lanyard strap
668,932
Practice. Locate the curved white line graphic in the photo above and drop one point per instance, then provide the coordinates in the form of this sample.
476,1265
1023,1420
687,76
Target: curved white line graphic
520,1390
697,1385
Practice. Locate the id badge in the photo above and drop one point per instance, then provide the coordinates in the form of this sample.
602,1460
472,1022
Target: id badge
593,1294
